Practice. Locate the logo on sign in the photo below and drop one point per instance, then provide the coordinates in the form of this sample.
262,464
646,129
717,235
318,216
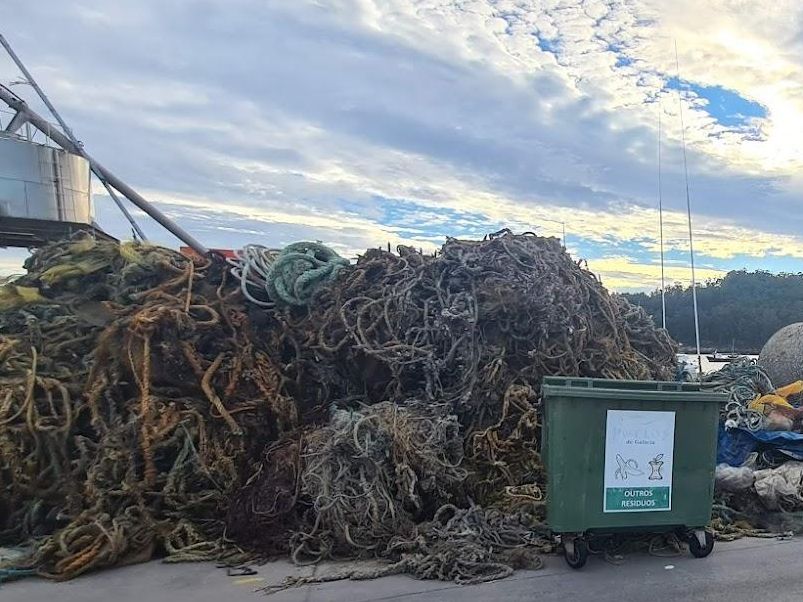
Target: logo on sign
639,448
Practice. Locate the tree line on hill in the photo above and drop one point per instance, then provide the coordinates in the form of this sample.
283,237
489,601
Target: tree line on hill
739,311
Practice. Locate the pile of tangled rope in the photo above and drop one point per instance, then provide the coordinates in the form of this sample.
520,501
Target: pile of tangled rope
293,403
743,380
741,513
131,400
464,325
471,330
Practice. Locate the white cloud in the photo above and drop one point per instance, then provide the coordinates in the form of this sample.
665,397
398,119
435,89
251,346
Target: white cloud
366,121
11,262
624,274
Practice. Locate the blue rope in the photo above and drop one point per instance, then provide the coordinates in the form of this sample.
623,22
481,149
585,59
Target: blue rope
11,574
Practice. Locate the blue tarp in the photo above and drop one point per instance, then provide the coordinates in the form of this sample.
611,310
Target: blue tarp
736,444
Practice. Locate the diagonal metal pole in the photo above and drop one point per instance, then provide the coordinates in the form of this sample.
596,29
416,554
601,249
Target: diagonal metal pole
122,208
30,79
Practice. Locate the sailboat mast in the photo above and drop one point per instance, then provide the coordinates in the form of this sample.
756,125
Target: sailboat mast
661,221
688,211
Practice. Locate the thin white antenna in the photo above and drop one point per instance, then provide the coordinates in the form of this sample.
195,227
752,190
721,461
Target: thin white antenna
661,219
688,210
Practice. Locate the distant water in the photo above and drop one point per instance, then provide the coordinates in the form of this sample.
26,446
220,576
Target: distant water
707,366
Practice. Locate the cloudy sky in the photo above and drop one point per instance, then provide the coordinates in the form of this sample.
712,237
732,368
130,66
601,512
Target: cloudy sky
358,122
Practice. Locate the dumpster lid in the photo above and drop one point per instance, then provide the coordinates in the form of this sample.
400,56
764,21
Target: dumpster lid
573,386
609,383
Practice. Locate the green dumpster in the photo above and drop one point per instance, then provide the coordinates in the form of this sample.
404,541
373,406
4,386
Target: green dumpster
628,456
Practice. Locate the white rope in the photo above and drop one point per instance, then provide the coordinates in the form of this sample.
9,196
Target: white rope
737,415
251,267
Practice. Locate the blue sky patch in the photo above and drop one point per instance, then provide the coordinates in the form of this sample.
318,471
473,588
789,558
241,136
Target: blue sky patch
548,45
772,263
623,61
417,222
726,106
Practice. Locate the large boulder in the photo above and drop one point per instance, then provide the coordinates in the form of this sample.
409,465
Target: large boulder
782,355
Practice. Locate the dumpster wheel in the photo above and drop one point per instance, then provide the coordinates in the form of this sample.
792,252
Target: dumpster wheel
698,548
575,552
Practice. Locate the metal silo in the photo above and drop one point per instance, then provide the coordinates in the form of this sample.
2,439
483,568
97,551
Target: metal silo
44,191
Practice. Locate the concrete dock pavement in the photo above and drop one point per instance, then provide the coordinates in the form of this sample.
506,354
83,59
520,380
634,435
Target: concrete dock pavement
748,569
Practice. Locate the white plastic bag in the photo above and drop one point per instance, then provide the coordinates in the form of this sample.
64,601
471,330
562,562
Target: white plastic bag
733,478
781,484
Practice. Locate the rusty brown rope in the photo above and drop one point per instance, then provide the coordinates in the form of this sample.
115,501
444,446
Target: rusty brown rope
112,442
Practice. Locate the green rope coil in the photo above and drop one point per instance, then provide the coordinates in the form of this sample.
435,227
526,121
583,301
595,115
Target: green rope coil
300,269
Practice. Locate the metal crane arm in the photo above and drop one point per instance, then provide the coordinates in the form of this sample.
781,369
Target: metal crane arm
26,114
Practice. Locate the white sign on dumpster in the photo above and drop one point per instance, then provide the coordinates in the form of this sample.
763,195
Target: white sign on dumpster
639,448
